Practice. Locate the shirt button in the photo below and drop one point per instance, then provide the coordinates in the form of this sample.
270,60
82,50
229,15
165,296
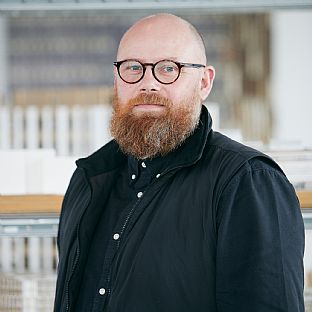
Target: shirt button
143,164
102,291
158,175
140,194
133,177
116,236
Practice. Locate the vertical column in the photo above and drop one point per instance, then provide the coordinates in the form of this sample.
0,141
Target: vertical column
4,113
18,127
47,254
47,127
3,59
99,118
78,135
34,254
291,75
62,126
19,254
32,127
5,122
6,256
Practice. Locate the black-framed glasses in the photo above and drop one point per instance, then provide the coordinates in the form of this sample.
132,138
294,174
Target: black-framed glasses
164,71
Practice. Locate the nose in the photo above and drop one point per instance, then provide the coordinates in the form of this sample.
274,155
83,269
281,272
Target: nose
149,83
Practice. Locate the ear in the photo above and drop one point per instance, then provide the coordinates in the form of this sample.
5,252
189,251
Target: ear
206,81
115,74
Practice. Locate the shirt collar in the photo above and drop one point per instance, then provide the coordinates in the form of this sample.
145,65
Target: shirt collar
188,152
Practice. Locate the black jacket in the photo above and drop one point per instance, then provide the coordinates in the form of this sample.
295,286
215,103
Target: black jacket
219,230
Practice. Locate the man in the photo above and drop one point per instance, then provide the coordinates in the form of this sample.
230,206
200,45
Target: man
170,215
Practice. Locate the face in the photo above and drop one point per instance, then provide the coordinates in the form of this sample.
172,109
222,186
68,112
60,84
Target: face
151,118
158,39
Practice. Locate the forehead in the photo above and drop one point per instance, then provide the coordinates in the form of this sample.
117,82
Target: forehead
151,42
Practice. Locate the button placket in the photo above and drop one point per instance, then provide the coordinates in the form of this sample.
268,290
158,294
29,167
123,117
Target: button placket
105,283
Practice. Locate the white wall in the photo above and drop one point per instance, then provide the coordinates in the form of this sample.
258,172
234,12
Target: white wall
292,76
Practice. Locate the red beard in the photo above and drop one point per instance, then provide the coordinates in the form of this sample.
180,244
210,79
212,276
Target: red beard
147,135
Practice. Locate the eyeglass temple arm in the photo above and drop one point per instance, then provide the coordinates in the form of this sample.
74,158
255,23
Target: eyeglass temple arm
192,65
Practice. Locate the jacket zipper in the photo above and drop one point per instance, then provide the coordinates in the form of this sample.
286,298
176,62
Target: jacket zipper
72,272
75,263
127,220
121,232
134,206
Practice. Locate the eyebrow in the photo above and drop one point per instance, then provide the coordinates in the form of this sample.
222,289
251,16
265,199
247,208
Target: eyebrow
143,61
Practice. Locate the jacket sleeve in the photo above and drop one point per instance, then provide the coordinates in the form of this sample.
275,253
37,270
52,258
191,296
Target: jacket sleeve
65,211
260,243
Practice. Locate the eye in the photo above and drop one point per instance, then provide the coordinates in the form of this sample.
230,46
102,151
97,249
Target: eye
168,69
134,67
131,67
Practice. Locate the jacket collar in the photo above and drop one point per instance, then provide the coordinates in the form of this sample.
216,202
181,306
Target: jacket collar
110,157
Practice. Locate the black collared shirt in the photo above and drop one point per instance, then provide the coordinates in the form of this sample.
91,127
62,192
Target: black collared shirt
130,185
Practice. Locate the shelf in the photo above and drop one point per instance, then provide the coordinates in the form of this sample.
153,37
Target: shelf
30,204
37,215
51,204
305,198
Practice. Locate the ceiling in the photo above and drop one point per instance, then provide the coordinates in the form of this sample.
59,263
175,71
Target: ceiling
9,7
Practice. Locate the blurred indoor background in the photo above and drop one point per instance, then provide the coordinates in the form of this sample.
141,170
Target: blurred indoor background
56,79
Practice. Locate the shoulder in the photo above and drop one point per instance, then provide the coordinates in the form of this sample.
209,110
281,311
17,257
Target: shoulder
235,152
225,146
259,177
107,158
258,187
228,160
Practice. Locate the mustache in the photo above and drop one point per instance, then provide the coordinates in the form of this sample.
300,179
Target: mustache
149,99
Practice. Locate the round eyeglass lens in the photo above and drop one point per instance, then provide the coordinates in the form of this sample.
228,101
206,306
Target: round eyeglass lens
131,71
166,71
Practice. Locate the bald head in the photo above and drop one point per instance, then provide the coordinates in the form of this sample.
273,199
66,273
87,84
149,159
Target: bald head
170,33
